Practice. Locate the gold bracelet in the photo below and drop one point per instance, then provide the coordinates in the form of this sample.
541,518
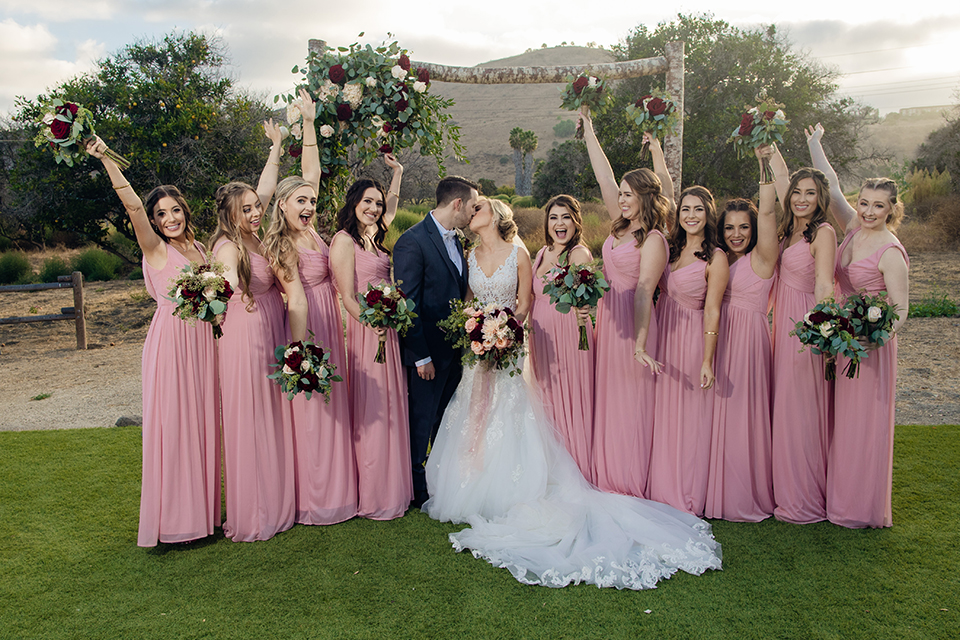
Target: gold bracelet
123,186
312,144
710,333
272,162
394,193
767,184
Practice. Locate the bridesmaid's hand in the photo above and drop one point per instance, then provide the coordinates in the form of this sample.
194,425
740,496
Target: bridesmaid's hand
584,314
706,376
96,147
646,360
866,344
271,129
380,331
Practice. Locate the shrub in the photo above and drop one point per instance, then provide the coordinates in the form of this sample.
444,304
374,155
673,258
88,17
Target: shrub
502,196
405,219
507,190
14,268
523,202
53,268
420,209
487,186
136,274
97,264
564,128
935,305
945,221
926,191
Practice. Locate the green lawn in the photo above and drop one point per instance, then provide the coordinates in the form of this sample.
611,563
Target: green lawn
71,568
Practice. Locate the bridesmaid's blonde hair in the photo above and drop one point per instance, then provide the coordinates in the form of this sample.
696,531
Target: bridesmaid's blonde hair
278,243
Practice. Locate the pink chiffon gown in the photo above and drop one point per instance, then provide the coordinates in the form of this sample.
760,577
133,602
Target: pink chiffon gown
623,405
326,472
378,394
802,398
860,463
180,491
739,483
684,412
564,374
257,417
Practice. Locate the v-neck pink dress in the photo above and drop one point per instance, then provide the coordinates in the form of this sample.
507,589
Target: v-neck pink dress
326,471
564,374
860,463
623,405
802,398
739,484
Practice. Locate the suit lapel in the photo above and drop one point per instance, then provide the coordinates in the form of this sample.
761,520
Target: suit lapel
437,239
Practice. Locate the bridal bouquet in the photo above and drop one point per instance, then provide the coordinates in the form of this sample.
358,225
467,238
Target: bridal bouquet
385,305
201,292
828,330
304,367
578,286
655,113
584,90
871,317
63,127
762,124
488,333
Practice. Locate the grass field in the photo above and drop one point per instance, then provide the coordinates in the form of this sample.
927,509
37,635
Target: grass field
71,568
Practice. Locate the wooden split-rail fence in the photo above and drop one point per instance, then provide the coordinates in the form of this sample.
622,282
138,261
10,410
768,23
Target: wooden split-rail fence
74,313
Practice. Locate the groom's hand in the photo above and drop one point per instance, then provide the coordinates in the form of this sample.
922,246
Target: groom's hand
426,371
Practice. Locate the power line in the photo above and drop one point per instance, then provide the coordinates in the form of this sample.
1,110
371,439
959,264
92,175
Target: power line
858,53
901,82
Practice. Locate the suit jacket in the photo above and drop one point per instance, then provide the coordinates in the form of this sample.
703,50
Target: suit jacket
428,277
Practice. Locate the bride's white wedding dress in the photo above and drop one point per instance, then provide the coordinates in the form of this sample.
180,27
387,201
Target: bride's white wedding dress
498,466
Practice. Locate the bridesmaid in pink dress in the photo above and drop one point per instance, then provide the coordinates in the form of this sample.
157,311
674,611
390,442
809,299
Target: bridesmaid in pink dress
688,312
378,392
871,259
180,490
739,484
257,418
563,373
634,255
803,399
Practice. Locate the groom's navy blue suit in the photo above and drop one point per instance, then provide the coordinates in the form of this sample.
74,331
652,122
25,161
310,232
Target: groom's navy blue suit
427,275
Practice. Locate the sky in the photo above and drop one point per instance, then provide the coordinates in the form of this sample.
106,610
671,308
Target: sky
892,55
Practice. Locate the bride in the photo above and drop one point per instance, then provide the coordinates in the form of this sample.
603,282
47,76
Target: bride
498,465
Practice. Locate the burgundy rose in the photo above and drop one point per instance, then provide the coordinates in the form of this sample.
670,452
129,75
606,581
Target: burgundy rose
585,275
324,172
60,129
423,75
73,108
512,324
387,127
845,324
374,296
294,360
399,126
768,115
344,112
818,317
404,62
310,350
518,334
656,107
308,382
295,150
639,103
477,334
746,124
580,84
402,104
390,305
337,74
386,148
227,290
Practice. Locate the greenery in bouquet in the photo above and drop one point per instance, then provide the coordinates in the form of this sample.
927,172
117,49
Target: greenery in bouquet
385,305
656,113
578,286
871,317
304,367
370,101
584,90
763,124
488,334
828,330
201,292
63,127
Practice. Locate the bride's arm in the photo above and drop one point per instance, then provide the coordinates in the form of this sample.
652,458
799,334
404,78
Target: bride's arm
524,284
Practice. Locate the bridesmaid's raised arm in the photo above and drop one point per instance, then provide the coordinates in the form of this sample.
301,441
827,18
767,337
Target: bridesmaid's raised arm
609,188
393,193
310,159
781,174
660,168
767,249
268,177
845,214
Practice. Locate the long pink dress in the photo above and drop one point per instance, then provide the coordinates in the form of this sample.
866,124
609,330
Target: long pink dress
740,484
802,398
684,412
378,394
180,493
326,472
623,405
564,374
860,463
257,417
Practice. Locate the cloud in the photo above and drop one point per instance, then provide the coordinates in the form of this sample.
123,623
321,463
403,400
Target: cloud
61,10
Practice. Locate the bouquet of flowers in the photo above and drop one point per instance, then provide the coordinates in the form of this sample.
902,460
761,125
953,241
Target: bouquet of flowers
201,292
578,286
385,305
871,317
764,123
488,333
304,367
656,113
827,330
64,126
584,90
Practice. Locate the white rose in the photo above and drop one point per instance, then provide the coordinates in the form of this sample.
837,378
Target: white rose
49,118
179,292
208,275
353,93
752,110
780,115
305,366
806,317
210,293
326,131
287,370
419,87
293,112
376,121
386,291
290,351
371,82
826,330
326,91
591,82
873,314
322,373
398,72
284,132
297,131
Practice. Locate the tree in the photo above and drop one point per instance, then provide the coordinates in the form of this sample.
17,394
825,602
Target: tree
168,107
523,143
566,170
941,150
726,67
565,128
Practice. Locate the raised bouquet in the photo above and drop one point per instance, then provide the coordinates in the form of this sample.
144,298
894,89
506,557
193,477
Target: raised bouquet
63,127
580,285
584,90
828,330
487,333
762,124
385,305
655,113
201,292
304,367
871,317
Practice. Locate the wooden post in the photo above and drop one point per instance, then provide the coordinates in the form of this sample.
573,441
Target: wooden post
79,314
673,145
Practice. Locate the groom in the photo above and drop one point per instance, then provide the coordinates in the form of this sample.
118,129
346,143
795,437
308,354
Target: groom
429,264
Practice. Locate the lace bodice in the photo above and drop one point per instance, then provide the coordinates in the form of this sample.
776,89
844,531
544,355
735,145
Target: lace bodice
500,288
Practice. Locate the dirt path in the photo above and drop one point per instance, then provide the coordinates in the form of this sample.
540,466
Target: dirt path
96,387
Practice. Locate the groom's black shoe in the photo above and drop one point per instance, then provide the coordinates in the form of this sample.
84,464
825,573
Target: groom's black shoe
418,501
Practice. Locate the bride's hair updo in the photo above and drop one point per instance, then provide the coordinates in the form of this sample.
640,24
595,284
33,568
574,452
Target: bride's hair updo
506,225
